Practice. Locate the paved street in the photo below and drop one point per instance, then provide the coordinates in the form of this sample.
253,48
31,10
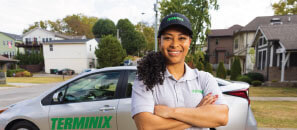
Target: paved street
10,95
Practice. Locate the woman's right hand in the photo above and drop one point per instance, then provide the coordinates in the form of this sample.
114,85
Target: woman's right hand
208,100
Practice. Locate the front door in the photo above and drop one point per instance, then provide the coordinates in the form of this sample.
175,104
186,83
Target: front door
87,103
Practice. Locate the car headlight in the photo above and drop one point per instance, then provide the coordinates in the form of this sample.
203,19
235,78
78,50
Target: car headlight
2,110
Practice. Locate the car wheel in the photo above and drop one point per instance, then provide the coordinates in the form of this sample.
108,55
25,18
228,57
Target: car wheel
23,125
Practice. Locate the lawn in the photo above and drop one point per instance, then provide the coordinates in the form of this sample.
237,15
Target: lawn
265,91
6,85
37,80
275,114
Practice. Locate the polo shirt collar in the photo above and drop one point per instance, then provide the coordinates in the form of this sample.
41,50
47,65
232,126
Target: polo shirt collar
190,74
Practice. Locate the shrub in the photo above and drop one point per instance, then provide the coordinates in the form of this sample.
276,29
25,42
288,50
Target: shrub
199,65
244,78
228,72
19,74
208,68
11,72
235,69
27,74
256,83
255,76
221,71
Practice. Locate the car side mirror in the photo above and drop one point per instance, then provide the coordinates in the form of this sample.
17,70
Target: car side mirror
58,96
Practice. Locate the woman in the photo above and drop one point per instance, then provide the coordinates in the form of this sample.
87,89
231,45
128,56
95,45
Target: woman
167,93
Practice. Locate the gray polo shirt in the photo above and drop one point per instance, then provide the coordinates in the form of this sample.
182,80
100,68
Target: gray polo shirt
188,91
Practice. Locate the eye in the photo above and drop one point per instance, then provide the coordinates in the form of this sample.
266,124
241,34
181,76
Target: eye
167,38
183,38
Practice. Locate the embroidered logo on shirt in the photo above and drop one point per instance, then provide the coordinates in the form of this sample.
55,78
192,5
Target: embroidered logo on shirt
197,91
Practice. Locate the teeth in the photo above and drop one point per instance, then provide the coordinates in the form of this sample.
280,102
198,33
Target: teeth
174,52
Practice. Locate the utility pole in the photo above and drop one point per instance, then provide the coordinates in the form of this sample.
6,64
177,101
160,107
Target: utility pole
156,25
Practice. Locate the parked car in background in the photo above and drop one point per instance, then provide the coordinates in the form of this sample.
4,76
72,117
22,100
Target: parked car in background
66,71
101,99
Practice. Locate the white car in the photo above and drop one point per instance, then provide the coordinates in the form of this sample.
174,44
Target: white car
100,99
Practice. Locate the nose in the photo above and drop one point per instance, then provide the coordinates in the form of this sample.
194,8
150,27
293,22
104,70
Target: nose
175,42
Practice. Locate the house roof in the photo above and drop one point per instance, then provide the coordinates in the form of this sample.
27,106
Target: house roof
4,59
286,34
56,34
224,32
266,20
13,36
69,41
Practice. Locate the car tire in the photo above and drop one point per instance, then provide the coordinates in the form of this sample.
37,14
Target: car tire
23,125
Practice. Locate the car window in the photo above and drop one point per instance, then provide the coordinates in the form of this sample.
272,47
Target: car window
131,78
94,87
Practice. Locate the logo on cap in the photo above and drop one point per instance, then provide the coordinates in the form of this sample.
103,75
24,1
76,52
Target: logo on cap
173,18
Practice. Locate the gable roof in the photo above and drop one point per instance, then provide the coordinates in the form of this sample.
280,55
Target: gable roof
4,59
286,34
266,20
13,36
56,34
224,32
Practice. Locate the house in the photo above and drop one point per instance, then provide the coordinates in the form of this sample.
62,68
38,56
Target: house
276,52
75,54
220,45
244,37
7,44
4,61
33,39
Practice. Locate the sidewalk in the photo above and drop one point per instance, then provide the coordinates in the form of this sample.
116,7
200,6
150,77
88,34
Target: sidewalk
273,98
277,129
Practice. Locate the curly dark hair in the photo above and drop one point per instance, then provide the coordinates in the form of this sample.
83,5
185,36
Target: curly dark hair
151,69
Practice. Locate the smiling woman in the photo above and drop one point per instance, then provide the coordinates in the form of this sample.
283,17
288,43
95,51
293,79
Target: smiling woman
167,93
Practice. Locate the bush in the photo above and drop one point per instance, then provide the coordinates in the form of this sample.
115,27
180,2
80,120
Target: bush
228,72
256,83
221,71
244,78
199,65
235,69
27,74
11,72
208,68
255,76
19,74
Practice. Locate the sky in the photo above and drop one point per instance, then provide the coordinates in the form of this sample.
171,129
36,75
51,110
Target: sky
16,15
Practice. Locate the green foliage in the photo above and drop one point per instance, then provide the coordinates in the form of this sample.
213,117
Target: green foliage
256,83
221,71
208,67
285,7
149,35
34,58
196,10
133,41
104,27
255,76
199,65
244,78
11,72
76,24
228,72
109,52
235,69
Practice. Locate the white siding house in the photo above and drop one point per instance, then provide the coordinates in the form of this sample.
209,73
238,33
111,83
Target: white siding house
76,54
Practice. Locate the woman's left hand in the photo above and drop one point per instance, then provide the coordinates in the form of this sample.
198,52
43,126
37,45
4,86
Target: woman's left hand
163,111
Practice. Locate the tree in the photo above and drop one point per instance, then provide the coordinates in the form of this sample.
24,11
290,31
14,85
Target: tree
196,10
133,41
221,71
109,52
208,67
104,27
235,69
284,7
76,24
149,35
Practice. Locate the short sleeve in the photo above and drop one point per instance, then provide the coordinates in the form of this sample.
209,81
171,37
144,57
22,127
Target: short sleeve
210,85
142,100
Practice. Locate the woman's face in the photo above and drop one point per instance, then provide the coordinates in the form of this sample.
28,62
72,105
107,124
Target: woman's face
174,44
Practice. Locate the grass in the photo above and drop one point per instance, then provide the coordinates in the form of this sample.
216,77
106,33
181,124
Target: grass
275,114
37,80
265,91
6,85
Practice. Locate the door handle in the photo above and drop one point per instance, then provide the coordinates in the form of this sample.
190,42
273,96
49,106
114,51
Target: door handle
107,108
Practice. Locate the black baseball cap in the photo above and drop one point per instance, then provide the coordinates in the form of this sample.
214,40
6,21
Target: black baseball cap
175,19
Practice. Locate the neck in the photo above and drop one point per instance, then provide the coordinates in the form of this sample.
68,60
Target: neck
176,70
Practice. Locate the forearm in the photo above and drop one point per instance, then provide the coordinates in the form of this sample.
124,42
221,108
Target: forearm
205,116
148,121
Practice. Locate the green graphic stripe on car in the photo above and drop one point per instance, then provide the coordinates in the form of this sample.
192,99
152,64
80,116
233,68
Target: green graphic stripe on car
81,123
197,91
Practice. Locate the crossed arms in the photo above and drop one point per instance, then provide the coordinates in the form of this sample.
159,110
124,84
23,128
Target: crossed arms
205,115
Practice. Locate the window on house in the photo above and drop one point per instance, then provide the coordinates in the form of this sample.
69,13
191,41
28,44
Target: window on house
217,41
236,43
261,60
35,40
264,60
43,40
46,39
51,47
50,39
3,42
11,43
262,41
293,61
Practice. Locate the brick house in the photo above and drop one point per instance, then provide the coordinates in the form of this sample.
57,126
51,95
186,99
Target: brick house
276,52
220,45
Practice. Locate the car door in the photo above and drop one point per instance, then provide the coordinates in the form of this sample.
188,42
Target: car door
89,102
124,119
